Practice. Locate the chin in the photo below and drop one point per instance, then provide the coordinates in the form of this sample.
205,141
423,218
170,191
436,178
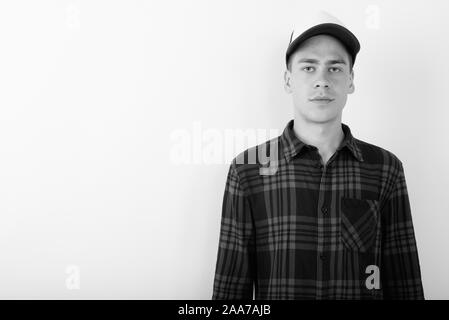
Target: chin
321,117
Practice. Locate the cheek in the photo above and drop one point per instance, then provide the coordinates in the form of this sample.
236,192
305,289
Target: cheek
302,84
343,83
341,87
299,88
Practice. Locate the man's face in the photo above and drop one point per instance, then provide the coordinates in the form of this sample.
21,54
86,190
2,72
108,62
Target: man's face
320,79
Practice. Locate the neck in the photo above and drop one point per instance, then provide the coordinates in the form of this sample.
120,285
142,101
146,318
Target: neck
326,136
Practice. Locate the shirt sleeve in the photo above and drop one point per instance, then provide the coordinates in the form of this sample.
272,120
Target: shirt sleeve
235,267
400,270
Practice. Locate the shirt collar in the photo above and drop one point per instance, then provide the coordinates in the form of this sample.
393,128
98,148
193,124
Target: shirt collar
292,145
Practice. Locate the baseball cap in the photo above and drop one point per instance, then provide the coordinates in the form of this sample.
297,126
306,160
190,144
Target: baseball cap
322,23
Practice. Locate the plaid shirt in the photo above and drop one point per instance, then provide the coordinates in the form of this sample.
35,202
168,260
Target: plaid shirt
292,228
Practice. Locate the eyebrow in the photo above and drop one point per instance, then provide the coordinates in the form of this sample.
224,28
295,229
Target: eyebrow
314,61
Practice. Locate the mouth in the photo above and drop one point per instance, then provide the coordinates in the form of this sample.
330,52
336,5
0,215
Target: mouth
321,100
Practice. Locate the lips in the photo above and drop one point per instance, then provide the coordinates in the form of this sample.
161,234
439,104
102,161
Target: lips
321,99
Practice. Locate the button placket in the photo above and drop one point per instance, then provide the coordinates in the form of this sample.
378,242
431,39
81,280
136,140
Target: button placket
321,263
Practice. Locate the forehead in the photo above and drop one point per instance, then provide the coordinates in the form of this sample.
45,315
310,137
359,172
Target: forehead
322,46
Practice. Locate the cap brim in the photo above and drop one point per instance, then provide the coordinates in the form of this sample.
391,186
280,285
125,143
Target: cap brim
346,37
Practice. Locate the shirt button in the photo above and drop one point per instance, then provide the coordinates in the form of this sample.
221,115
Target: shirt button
324,209
322,256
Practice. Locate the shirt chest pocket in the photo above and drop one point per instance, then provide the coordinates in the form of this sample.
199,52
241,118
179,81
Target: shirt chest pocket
358,226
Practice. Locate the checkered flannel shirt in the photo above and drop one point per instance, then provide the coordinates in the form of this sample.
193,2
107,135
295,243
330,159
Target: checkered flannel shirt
293,228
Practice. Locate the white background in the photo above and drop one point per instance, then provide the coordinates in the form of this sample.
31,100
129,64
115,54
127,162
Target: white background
92,202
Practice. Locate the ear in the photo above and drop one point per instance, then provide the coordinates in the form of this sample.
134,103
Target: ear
351,88
287,81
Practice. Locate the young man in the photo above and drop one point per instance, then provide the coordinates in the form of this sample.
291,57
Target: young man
329,217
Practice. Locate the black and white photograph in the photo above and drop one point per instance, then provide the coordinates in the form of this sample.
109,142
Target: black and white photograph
224,150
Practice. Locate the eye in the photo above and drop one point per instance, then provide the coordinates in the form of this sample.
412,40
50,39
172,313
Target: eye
308,69
334,69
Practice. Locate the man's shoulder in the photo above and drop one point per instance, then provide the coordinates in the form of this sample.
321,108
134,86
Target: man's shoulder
374,154
260,155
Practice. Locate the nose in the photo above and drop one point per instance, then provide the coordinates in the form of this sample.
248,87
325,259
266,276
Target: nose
321,82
